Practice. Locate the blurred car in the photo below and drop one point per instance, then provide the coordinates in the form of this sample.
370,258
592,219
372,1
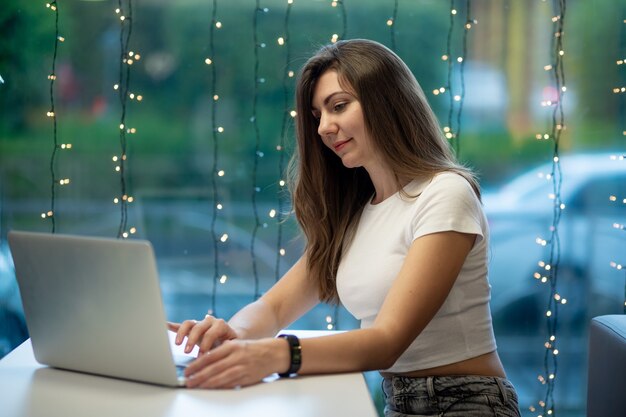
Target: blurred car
521,215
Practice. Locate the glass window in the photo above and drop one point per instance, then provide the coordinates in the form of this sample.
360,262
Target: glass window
208,133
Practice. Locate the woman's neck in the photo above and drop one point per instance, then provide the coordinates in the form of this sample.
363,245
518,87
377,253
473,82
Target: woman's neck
385,185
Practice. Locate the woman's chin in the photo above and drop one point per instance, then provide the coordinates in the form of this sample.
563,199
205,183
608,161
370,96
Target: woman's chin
349,162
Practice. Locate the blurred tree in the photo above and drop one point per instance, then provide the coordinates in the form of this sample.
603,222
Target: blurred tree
596,40
26,41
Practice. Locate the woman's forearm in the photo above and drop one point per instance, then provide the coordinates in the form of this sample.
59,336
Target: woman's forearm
255,321
353,351
291,297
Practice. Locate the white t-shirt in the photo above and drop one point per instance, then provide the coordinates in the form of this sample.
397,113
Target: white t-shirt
462,328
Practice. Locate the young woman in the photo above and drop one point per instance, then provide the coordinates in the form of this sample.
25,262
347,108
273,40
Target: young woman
395,231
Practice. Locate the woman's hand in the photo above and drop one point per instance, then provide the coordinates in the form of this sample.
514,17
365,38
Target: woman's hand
207,334
238,363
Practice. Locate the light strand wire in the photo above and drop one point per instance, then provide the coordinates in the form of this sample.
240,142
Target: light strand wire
557,127
344,34
450,67
624,133
52,113
621,159
214,170
126,27
344,19
466,28
257,147
455,112
283,140
392,26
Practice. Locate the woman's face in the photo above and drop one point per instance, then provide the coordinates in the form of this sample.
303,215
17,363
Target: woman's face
341,122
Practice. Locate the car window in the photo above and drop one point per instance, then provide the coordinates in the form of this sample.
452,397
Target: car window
601,196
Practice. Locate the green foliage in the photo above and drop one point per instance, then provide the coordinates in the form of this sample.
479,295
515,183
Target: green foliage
592,50
174,119
25,51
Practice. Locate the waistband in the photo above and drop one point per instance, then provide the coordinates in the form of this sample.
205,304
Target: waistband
433,385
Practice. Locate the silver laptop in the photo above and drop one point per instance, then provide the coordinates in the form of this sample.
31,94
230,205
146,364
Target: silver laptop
94,305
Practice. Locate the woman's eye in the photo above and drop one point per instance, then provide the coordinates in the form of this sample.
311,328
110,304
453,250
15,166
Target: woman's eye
339,106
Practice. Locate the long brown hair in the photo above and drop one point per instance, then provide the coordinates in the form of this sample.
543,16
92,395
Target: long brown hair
328,198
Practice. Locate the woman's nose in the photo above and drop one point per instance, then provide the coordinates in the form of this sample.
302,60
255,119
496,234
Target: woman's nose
327,126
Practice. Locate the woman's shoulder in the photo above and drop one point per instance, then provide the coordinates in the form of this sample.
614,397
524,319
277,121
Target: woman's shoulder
442,185
449,180
451,176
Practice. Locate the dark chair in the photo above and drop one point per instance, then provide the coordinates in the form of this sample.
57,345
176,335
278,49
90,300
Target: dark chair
606,389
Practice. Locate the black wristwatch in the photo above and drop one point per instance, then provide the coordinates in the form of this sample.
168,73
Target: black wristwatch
295,352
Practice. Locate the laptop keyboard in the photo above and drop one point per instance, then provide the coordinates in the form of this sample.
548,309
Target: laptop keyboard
181,362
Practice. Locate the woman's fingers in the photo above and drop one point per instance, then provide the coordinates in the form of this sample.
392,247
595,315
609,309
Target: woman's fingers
215,335
198,332
206,334
222,368
173,326
235,363
183,330
232,377
202,363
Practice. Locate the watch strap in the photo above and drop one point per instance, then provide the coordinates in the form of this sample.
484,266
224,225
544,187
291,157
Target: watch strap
295,354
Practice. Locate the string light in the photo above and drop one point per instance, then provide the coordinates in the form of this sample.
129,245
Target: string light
329,323
613,198
344,21
288,115
335,38
54,181
216,204
391,22
456,100
127,59
257,153
461,60
551,267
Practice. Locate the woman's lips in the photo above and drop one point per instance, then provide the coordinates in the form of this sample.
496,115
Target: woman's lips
339,145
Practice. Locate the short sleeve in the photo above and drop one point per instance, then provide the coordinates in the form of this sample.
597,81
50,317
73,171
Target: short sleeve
448,203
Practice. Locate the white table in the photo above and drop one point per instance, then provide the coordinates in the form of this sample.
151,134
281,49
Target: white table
28,389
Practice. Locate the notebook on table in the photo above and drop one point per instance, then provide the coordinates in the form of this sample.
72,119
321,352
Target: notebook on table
94,305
